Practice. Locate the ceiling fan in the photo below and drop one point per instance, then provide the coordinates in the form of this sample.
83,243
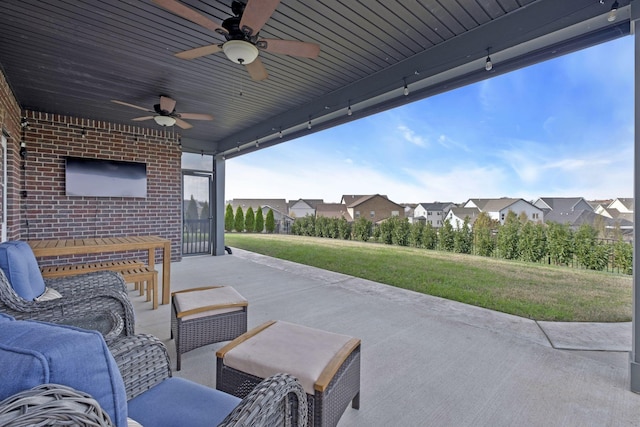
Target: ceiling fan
165,113
242,43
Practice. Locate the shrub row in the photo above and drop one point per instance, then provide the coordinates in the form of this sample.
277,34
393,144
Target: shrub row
516,239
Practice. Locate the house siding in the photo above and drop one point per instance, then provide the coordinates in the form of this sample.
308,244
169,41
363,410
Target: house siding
381,207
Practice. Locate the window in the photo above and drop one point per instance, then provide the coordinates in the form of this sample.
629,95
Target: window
372,214
534,216
428,213
395,213
502,217
357,214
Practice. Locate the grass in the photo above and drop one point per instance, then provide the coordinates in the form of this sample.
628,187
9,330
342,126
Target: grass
529,290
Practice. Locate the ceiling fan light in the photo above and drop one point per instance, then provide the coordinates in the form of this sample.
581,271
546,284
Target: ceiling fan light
165,120
240,52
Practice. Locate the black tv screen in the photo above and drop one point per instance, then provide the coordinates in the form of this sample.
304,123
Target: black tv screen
105,178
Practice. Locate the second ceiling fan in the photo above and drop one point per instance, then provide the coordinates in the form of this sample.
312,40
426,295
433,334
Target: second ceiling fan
243,43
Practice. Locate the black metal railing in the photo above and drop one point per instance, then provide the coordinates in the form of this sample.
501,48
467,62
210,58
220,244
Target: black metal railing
195,236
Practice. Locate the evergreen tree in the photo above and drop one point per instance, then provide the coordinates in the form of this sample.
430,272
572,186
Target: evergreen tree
239,220
401,230
250,220
560,243
483,240
229,219
191,215
447,236
430,237
416,233
463,238
344,229
508,237
204,218
386,231
270,223
532,244
623,256
259,227
590,253
362,229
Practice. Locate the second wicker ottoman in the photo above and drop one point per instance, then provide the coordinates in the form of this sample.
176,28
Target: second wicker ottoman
202,316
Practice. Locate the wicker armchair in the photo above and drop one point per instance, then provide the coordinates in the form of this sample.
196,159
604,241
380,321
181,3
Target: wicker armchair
54,404
102,291
130,378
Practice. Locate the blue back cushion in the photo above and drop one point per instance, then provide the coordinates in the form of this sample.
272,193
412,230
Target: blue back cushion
34,353
19,264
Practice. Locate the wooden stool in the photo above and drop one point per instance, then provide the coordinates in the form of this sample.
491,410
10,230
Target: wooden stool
203,316
326,364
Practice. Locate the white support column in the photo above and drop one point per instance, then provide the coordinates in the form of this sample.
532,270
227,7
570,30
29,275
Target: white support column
635,347
219,209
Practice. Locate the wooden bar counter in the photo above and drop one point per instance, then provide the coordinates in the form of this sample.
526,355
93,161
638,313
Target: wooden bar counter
44,248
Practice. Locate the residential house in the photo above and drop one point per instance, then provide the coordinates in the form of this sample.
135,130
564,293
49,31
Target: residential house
333,210
565,210
619,209
499,208
303,207
456,216
432,213
375,207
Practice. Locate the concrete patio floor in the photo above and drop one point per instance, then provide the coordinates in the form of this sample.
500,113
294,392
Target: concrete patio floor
426,361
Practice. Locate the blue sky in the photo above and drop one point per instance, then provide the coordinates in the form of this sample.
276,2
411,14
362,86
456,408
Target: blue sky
561,128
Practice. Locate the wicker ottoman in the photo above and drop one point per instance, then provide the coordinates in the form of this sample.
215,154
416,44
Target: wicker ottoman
203,316
326,364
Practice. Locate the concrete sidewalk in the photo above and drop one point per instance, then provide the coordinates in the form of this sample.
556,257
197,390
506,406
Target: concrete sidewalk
426,360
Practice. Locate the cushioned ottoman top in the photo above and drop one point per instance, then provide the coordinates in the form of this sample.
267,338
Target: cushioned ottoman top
203,302
286,347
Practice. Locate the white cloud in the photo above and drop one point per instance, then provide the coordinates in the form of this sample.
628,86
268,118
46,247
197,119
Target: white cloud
410,136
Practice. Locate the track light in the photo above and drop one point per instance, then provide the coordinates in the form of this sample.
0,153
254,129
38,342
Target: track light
280,133
613,13
83,133
309,125
406,89
257,143
24,123
349,112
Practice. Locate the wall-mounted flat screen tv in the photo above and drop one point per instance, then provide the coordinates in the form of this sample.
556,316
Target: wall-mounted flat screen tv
105,178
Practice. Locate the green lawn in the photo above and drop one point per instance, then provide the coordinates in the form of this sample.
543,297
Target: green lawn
529,290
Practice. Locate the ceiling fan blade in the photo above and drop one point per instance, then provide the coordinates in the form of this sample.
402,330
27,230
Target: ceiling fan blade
290,47
132,106
141,119
167,104
199,51
190,14
196,116
256,70
256,14
182,124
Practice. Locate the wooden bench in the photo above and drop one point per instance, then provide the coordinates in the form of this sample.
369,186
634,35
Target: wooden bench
133,271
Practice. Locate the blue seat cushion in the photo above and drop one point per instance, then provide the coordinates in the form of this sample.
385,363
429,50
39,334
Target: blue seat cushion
5,317
19,264
176,402
34,353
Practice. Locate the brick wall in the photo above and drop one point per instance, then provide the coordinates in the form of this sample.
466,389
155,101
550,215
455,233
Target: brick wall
46,212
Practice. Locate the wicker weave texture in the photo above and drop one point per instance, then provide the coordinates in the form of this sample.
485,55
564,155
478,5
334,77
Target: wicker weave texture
102,291
195,333
325,408
277,401
52,405
143,362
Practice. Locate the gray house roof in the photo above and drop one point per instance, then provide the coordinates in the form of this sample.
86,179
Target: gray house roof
564,204
333,210
277,204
